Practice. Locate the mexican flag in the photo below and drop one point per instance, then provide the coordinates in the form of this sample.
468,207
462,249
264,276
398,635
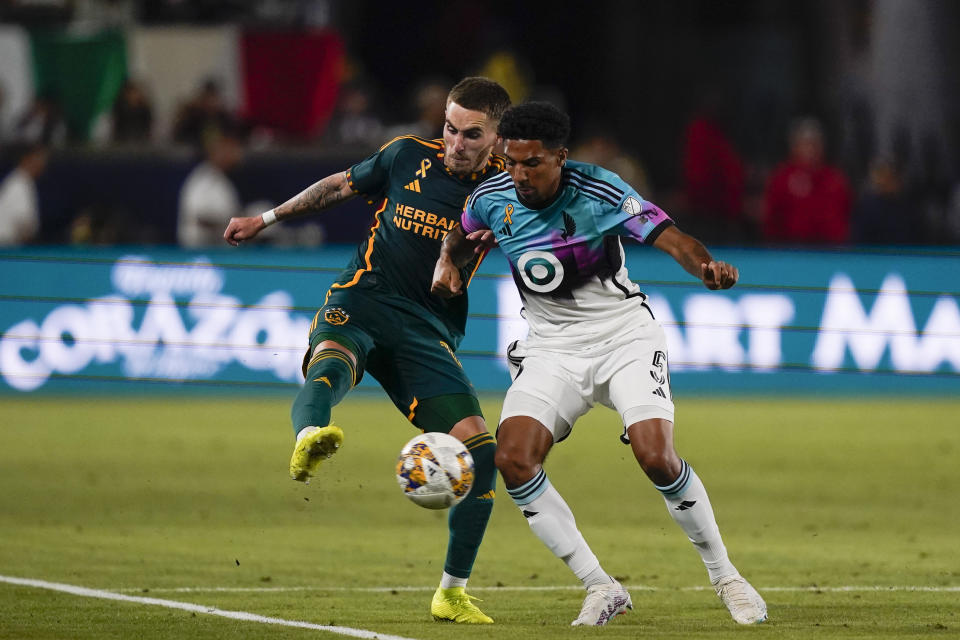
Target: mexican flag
282,81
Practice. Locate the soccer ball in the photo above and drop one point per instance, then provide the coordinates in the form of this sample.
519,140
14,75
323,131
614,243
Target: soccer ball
435,470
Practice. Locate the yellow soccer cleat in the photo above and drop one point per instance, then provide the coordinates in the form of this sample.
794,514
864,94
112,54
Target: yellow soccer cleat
454,604
314,445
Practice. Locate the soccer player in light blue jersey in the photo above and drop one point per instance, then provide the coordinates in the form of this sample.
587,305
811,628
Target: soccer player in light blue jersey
592,339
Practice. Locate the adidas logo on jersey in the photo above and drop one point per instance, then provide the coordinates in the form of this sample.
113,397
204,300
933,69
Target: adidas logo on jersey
413,186
507,221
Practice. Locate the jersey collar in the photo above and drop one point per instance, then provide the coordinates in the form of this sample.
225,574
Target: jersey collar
494,164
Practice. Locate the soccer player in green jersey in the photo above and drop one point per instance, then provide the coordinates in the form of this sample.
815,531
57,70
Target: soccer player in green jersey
380,316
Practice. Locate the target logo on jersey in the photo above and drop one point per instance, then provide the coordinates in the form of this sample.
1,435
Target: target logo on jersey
540,271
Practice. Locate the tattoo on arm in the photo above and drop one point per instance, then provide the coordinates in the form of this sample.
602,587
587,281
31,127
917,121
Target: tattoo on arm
457,247
321,195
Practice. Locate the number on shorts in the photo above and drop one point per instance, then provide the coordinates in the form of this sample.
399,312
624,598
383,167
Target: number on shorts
660,373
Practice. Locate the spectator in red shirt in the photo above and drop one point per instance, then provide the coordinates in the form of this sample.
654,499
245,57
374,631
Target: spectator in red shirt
712,169
714,177
807,201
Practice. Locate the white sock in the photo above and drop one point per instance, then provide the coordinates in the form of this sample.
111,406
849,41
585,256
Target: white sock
303,433
448,581
552,521
689,506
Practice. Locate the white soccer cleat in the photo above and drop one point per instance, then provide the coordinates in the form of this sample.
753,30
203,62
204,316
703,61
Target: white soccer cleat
745,604
603,602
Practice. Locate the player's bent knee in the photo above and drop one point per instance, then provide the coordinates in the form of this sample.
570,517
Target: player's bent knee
662,467
658,461
515,466
522,446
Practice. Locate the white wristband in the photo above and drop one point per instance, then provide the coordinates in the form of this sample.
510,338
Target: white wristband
268,217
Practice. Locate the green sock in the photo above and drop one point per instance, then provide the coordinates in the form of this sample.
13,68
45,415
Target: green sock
468,520
330,375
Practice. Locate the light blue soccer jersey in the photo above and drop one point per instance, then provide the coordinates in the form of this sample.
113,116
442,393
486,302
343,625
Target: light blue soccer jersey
567,259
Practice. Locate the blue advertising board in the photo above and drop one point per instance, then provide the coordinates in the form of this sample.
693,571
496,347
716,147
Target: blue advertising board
113,320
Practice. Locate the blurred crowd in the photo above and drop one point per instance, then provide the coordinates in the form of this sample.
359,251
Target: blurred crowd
805,198
721,196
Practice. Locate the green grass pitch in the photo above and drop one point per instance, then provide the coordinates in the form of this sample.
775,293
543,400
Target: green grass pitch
843,513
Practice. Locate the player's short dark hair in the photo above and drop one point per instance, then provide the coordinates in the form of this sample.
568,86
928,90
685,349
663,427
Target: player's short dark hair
536,121
480,94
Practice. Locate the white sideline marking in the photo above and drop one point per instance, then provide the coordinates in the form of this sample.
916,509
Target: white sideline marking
633,587
196,608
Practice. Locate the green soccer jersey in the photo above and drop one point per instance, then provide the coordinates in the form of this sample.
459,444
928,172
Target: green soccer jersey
418,201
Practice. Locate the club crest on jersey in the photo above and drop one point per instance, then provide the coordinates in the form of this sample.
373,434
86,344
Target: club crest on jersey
632,206
569,226
336,316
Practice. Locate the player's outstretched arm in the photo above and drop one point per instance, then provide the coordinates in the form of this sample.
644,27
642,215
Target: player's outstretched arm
324,194
456,251
696,260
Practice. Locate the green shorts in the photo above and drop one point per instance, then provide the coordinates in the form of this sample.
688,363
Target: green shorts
410,359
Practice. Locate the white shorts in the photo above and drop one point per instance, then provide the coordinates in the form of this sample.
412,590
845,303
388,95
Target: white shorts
555,388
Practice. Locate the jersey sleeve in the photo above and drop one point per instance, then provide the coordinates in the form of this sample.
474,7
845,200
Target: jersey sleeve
633,216
639,219
472,218
371,175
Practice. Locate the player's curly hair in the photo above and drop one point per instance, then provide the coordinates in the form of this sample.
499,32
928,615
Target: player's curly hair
536,121
480,94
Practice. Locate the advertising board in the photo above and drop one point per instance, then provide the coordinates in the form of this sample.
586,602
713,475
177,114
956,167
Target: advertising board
799,321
